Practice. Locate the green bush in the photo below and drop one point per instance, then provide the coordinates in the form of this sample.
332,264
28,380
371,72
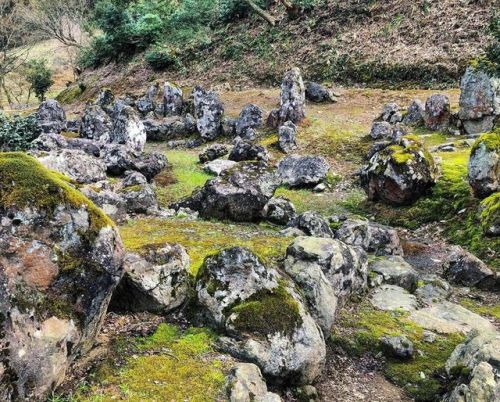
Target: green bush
39,76
162,58
17,133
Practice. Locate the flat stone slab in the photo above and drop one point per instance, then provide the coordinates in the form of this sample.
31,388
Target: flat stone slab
218,166
393,298
447,318
395,271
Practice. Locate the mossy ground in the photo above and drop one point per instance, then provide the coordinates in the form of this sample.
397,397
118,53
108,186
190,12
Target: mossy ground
169,365
359,332
490,310
204,238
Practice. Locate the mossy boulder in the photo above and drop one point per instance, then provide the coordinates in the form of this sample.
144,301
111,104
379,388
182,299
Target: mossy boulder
262,315
60,260
484,164
490,214
400,173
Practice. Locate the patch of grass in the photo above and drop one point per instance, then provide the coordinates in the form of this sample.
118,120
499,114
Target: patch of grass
167,366
186,175
488,310
203,238
361,331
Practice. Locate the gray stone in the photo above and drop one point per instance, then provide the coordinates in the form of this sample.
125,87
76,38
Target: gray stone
437,112
105,100
51,117
312,224
127,129
466,269
391,113
246,151
245,384
415,114
279,210
303,171
393,298
219,166
209,111
432,289
147,103
251,117
96,124
172,100
287,137
484,166
394,270
292,98
212,152
318,93
381,130
397,346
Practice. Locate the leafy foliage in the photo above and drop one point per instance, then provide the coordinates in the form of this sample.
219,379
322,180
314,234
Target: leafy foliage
39,76
16,133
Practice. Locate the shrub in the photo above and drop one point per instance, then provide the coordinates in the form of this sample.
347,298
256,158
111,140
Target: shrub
161,58
16,133
39,76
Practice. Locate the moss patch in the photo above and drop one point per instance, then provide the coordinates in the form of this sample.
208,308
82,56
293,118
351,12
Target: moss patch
267,313
203,238
490,140
24,182
359,332
492,310
490,211
166,366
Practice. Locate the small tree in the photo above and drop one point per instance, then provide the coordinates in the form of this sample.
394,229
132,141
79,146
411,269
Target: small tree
39,76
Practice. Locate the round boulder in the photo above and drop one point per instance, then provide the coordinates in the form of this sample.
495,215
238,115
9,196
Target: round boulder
484,165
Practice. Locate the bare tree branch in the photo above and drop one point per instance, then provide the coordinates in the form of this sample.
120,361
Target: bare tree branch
261,12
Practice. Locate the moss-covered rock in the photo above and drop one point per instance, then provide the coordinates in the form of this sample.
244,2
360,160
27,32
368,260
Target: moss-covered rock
484,164
490,214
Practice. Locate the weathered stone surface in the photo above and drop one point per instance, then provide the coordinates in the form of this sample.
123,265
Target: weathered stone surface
287,137
128,129
239,194
318,93
371,236
247,151
60,260
54,142
251,117
381,130
328,272
263,316
208,111
437,112
394,270
172,100
212,152
312,224
299,171
415,114
432,289
218,166
105,197
96,124
279,210
293,97
484,165
139,197
51,117
147,104
391,113
397,346
399,174
466,269
105,100
169,128
157,282
447,318
393,298
245,384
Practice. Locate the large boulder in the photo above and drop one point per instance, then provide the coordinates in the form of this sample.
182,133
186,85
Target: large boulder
96,124
484,165
169,128
287,137
54,142
293,98
172,100
391,113
279,210
147,104
128,129
437,112
394,270
328,272
75,164
209,112
262,315
415,114
370,236
212,152
318,93
157,282
312,224
303,171
104,195
106,100
250,118
238,194
60,260
479,101
400,173
245,384
51,117
139,196
247,151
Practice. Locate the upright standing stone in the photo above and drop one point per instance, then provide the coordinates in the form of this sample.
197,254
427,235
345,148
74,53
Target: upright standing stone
293,97
172,100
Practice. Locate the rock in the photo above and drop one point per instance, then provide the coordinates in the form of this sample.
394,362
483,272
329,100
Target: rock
466,269
381,130
96,124
75,164
156,283
287,137
169,127
228,127
293,98
393,298
318,93
437,112
73,126
370,236
312,224
479,101
246,151
395,271
432,289
484,165
399,174
447,318
479,356
397,346
391,113
218,166
262,315
147,104
51,117
292,232
328,272
139,198
209,111
54,142
150,164
414,114
251,117
303,171
214,151
306,393
61,259
172,100
105,100
127,128
245,384
239,194
105,197
279,210
489,215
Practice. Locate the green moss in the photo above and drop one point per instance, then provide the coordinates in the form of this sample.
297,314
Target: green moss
24,182
490,211
131,189
490,140
401,155
482,309
203,238
267,313
361,331
169,365
69,95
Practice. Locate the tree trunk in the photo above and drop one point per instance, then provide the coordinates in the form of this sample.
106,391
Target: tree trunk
262,13
291,10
